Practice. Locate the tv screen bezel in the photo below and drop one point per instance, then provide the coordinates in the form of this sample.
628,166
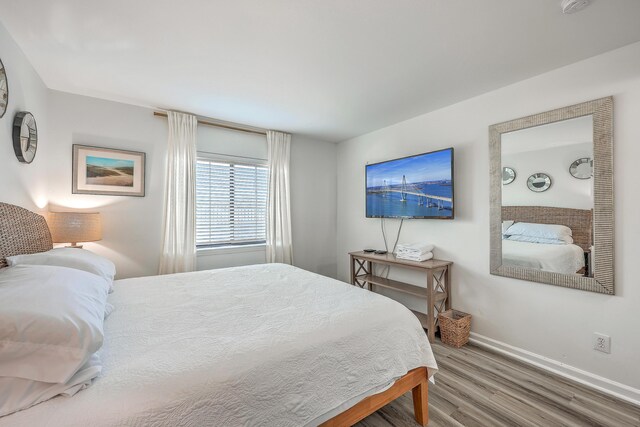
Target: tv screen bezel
453,190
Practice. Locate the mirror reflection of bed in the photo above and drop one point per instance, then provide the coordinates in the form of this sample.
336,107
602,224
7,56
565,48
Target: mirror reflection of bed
547,197
548,238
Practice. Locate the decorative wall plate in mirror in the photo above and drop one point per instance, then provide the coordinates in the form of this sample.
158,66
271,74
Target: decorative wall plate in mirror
25,136
508,175
539,182
4,90
553,239
582,168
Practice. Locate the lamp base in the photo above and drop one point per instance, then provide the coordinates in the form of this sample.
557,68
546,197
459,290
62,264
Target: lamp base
74,245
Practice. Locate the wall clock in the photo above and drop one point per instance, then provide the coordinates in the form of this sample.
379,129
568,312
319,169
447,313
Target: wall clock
508,175
25,136
4,90
539,182
582,168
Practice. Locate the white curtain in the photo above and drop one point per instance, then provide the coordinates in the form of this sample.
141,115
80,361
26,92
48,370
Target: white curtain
279,210
178,238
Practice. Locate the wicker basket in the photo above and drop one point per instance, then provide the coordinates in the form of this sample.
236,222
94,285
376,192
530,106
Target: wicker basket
455,327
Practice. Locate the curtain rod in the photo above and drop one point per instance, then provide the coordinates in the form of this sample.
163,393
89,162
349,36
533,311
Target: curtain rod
229,126
230,155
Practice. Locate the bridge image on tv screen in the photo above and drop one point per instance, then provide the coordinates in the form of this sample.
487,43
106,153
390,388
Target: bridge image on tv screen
412,187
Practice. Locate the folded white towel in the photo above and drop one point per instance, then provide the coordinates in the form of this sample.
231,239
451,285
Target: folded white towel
421,248
418,258
412,253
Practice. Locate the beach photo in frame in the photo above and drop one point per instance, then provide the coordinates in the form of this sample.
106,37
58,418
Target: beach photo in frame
107,171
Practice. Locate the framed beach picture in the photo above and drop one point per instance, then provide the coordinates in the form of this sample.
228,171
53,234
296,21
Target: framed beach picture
105,171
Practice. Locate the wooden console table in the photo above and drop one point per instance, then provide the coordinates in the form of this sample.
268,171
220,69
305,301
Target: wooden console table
437,293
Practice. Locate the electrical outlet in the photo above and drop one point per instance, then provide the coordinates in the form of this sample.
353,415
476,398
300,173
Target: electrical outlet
602,342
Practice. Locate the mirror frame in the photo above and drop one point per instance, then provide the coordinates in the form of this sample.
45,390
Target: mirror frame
603,280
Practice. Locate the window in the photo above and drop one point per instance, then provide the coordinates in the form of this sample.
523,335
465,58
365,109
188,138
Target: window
231,203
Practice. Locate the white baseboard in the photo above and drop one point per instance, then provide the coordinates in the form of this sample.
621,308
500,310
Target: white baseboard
597,382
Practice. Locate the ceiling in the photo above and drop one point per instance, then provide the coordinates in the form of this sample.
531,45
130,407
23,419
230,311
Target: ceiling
331,69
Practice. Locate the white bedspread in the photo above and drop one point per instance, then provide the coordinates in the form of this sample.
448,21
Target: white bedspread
567,259
268,345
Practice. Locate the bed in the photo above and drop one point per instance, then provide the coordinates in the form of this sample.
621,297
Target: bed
259,345
567,258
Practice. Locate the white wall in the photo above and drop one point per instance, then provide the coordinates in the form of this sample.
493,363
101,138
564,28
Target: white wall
22,184
313,205
554,322
132,226
565,191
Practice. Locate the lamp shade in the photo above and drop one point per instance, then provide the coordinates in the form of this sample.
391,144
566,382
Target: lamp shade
73,227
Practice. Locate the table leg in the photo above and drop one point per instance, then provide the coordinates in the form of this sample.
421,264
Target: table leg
431,324
447,279
352,274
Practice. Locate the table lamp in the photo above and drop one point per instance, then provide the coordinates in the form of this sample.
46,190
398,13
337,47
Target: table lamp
74,227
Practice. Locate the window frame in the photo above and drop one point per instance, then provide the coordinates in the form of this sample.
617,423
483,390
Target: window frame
233,160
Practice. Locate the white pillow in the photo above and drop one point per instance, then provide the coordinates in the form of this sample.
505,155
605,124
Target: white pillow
506,225
545,231
80,259
532,239
51,321
18,393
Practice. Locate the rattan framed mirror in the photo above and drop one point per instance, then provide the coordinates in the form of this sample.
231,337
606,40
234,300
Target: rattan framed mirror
587,215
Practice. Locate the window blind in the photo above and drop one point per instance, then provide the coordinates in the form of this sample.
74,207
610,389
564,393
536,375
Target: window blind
231,203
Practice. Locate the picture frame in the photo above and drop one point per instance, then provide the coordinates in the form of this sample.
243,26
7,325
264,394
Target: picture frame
108,171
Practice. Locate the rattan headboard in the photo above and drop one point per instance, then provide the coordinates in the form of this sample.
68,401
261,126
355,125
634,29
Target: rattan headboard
22,232
578,220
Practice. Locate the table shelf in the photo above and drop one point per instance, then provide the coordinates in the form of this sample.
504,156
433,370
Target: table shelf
403,287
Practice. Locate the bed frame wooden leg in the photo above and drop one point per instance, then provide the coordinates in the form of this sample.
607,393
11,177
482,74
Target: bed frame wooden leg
420,402
415,380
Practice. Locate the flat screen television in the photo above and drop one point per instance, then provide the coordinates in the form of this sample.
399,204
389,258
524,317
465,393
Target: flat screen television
419,186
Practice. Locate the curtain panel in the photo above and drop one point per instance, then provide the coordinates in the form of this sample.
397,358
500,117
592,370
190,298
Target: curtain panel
178,238
279,247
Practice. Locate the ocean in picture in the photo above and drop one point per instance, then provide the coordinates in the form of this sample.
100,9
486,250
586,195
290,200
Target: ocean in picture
108,171
418,186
